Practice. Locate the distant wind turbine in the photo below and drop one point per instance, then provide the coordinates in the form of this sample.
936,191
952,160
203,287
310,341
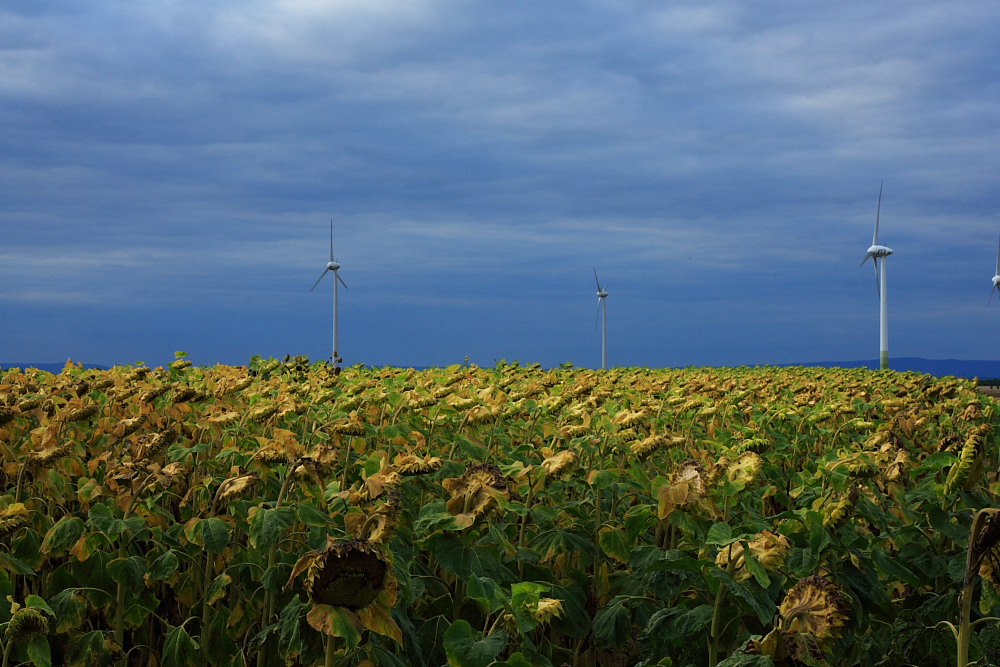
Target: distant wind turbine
878,252
996,277
332,265
602,294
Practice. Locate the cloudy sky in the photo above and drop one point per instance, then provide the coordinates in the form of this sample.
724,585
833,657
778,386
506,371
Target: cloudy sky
169,170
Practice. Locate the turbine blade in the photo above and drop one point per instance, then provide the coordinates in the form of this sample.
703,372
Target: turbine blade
597,318
318,279
341,280
878,286
331,239
995,288
867,257
998,260
597,281
878,210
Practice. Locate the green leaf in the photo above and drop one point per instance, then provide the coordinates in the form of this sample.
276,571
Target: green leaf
180,649
105,521
290,628
312,516
267,525
217,590
465,651
615,543
70,610
215,534
516,660
275,577
85,649
749,592
14,565
164,566
39,652
127,571
720,535
433,517
37,602
744,660
613,623
62,535
678,623
486,592
335,622
472,450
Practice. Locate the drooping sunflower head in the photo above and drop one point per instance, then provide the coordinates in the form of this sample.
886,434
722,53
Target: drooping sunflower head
768,548
347,574
559,463
408,464
984,546
477,491
26,623
13,517
814,607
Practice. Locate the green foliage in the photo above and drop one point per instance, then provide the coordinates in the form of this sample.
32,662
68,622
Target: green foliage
507,516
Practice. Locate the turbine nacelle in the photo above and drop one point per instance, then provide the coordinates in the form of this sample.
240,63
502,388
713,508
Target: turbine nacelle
334,266
878,251
602,294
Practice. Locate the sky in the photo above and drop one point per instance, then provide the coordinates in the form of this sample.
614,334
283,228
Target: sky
169,170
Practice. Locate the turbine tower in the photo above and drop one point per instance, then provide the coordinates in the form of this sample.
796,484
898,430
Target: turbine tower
996,277
332,265
878,252
602,294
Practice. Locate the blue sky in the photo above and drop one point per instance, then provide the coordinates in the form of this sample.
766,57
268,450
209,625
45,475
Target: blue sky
169,169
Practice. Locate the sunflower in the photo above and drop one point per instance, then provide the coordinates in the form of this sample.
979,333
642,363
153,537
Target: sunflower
814,607
476,492
350,585
557,464
768,548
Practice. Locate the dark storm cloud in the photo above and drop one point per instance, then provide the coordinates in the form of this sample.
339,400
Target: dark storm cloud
718,162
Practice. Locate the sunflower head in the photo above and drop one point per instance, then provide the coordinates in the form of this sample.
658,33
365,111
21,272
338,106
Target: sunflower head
13,517
559,463
346,574
814,607
408,464
768,548
476,492
26,623
984,547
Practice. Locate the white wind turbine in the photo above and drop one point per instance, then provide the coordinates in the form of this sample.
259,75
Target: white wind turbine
602,294
878,252
332,265
996,278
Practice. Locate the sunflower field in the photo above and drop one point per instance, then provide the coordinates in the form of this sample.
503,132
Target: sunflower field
288,513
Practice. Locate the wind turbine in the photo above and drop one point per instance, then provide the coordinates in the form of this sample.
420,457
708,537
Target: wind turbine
878,252
332,265
602,294
996,278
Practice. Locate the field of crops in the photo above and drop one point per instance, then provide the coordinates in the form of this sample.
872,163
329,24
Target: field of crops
285,514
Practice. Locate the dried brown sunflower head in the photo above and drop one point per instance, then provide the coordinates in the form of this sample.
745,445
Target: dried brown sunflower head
814,607
345,574
408,464
768,548
13,517
25,623
562,462
984,547
476,492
